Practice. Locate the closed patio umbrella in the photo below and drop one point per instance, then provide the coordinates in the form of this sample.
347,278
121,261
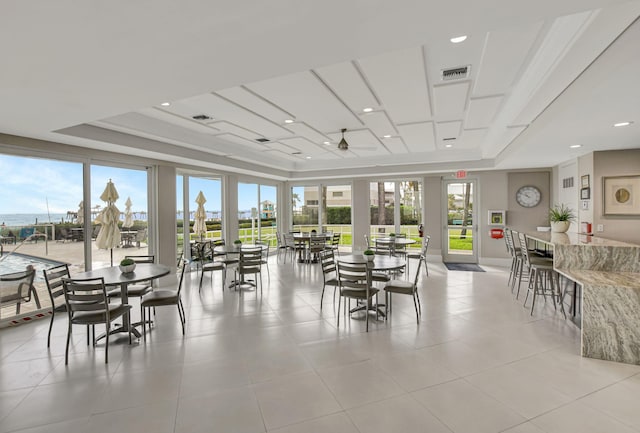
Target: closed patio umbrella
80,217
199,227
128,215
109,235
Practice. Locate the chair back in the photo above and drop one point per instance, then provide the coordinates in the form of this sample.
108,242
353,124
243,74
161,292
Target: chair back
53,278
415,280
16,287
180,283
85,295
317,243
508,239
263,250
25,232
366,241
142,259
353,275
327,262
384,247
523,248
250,261
425,245
335,241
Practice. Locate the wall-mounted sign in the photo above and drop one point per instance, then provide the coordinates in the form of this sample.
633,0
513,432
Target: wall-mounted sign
461,174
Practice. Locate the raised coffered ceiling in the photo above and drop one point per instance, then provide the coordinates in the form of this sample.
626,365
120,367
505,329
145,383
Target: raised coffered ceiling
520,61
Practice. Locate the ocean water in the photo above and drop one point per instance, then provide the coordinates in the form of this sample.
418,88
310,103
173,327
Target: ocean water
27,219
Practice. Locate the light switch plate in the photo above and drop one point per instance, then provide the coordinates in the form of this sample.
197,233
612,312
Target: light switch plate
600,227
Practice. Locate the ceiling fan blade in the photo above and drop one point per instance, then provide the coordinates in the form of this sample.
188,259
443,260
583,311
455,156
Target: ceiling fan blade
364,148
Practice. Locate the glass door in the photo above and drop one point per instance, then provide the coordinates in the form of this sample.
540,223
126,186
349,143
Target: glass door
460,225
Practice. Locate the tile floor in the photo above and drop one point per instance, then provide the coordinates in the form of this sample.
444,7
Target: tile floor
477,362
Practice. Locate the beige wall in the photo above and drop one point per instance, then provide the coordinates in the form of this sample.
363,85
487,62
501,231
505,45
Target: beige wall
527,219
614,163
585,212
493,195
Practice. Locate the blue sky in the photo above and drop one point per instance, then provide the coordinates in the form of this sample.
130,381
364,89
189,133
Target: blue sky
28,183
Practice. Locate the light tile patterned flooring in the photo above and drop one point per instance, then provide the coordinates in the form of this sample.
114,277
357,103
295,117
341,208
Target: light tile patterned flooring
477,362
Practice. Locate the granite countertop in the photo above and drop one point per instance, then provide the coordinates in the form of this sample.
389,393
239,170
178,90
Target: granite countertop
575,239
628,280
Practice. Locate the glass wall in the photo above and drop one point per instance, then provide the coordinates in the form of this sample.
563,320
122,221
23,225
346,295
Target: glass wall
336,211
40,224
180,215
211,189
248,212
382,209
268,213
389,218
129,197
304,204
410,208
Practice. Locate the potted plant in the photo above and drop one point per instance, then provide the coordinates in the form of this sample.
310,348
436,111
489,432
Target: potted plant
237,243
392,235
560,217
127,265
369,255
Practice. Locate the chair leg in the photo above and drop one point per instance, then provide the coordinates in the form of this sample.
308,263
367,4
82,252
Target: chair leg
181,318
338,313
53,314
417,294
106,344
144,321
66,352
322,296
415,305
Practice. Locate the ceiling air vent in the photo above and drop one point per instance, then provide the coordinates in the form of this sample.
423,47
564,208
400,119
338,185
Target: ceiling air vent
459,73
297,153
448,138
262,140
201,117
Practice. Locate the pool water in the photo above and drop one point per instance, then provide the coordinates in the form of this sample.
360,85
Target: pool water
17,262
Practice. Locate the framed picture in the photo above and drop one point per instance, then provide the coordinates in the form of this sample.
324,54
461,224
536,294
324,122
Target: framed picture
585,181
496,217
585,193
621,195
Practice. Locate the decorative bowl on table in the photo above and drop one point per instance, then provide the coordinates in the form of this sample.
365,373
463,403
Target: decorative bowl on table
369,255
128,268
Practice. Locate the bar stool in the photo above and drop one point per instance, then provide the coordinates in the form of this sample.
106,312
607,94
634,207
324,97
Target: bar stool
543,279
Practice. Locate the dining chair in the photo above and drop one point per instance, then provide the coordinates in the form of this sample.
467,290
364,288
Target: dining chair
250,263
384,247
403,287
87,304
164,297
212,266
421,255
53,278
316,245
329,277
281,246
354,282
264,245
335,243
400,249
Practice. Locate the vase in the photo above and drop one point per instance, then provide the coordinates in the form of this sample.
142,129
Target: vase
560,226
127,268
370,257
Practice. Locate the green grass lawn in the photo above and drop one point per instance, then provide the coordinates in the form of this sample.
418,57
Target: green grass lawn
455,243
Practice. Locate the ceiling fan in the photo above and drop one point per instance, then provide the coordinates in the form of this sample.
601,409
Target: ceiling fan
343,145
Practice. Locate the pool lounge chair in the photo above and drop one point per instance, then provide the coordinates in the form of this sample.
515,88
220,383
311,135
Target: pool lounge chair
17,287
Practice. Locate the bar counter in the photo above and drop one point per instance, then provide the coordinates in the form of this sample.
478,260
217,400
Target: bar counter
609,273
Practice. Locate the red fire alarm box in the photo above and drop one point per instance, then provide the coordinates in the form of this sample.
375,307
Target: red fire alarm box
496,233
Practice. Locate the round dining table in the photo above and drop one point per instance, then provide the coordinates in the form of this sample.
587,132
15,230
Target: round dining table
113,276
380,263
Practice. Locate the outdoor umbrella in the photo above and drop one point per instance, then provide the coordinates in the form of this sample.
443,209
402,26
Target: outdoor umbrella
80,217
128,215
109,235
199,227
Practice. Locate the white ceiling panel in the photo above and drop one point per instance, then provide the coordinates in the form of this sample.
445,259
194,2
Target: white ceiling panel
310,100
236,130
361,143
304,130
504,53
379,123
250,101
418,137
303,145
469,139
283,155
345,80
449,100
399,80
482,111
239,140
448,129
178,120
222,109
395,145
276,145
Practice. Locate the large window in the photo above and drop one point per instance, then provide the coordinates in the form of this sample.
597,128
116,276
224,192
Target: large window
211,189
132,220
257,205
304,205
395,207
336,212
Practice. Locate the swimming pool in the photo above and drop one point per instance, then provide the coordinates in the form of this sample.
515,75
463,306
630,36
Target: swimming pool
17,262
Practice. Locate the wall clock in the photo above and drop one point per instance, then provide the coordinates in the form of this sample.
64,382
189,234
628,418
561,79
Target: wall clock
528,196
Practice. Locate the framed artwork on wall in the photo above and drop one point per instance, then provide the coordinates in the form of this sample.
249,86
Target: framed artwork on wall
496,218
584,181
621,195
585,193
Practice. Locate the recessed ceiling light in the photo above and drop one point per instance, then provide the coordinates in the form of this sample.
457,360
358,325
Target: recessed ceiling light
386,136
617,125
327,143
288,121
575,146
448,145
367,110
166,104
308,157
458,39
